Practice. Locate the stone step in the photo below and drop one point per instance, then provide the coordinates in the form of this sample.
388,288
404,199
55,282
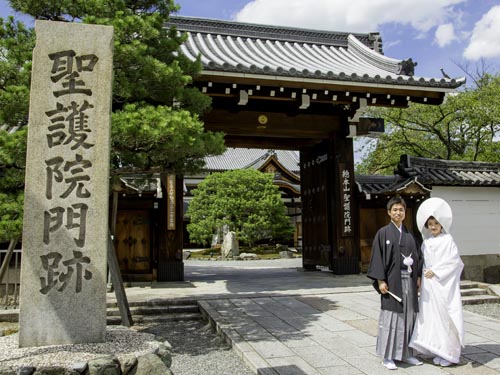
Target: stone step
155,310
467,284
478,299
13,316
157,302
141,319
473,292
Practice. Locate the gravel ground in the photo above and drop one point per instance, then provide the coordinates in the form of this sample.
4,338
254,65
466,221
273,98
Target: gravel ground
120,341
488,309
197,350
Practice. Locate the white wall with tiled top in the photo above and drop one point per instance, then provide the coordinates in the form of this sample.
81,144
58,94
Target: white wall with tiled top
476,217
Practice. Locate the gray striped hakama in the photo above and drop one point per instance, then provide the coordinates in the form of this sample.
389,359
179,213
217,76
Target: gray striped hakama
395,329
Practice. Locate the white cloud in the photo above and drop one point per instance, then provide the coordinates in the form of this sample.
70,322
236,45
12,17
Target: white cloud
392,43
353,15
485,39
445,34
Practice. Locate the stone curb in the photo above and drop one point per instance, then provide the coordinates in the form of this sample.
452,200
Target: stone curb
157,362
10,315
244,350
494,289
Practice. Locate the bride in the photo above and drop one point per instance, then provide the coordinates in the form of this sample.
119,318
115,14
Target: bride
439,329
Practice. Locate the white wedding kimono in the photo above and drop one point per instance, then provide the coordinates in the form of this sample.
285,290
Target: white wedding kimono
439,329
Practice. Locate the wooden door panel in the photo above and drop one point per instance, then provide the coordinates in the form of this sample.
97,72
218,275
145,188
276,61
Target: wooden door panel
316,214
133,241
371,220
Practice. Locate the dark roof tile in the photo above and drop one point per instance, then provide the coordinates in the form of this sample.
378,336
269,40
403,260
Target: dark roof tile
449,172
240,158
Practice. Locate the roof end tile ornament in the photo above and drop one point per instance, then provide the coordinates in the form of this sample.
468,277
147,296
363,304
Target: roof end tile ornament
376,42
404,167
407,67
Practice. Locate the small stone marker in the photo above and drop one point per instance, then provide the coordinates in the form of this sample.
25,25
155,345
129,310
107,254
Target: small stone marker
286,254
65,233
230,246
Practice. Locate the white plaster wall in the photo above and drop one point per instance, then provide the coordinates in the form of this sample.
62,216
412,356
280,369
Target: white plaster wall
476,217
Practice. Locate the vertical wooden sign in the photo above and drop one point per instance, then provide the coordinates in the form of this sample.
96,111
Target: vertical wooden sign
171,202
345,180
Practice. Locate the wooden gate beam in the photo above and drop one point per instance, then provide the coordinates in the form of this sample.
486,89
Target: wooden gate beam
116,279
6,260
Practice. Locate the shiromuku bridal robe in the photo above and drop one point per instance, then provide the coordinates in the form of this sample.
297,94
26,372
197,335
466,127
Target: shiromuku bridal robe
439,329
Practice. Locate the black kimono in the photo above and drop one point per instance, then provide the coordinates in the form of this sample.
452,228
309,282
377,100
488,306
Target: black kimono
386,264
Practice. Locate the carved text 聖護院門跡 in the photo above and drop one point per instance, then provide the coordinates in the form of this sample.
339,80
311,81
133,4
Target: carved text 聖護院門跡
69,179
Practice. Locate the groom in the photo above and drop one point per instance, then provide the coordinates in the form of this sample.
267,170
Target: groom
395,266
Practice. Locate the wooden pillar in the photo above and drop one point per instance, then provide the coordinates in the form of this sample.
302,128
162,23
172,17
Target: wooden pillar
170,261
346,253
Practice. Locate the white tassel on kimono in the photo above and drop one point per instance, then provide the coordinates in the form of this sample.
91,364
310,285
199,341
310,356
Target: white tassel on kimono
407,261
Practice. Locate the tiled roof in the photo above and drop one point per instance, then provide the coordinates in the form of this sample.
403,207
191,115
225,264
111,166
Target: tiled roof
449,172
377,184
232,47
430,172
244,158
240,158
380,184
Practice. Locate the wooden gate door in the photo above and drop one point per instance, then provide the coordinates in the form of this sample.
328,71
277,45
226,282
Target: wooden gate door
133,242
315,171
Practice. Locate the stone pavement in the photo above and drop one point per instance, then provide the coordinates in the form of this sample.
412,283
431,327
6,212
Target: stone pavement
284,321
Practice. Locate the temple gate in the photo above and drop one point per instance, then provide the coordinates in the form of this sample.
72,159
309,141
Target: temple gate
306,90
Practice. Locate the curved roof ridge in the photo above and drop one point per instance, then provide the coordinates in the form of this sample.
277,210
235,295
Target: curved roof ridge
257,162
416,161
255,30
373,57
273,155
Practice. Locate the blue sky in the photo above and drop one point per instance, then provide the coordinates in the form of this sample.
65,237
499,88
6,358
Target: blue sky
434,33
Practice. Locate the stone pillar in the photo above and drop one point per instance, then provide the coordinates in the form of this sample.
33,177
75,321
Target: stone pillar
63,275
